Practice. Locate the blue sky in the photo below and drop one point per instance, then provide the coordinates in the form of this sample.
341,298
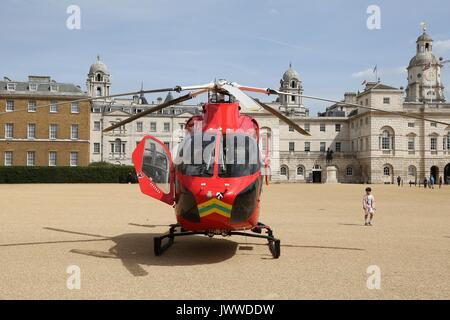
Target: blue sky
166,43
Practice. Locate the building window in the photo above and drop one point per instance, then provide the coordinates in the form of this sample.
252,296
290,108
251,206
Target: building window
96,125
53,131
338,147
291,128
411,143
9,130
386,140
74,132
387,171
74,107
11,87
53,107
411,124
74,159
139,127
433,144
167,144
33,87
9,105
152,126
52,158
283,171
337,127
349,171
307,127
8,158
300,171
448,141
307,146
53,88
291,146
433,124
96,147
322,127
411,171
323,146
166,126
31,131
386,100
31,106
31,158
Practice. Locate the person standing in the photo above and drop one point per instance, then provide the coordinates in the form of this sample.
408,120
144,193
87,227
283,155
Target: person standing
432,182
368,207
440,182
399,180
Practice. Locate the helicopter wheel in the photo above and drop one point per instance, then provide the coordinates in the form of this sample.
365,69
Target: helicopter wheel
275,248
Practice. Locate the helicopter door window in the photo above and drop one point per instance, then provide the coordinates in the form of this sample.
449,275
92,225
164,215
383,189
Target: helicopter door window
239,156
196,155
156,164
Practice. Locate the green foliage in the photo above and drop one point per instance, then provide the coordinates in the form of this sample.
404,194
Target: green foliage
91,174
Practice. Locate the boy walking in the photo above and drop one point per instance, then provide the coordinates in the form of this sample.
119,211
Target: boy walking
368,207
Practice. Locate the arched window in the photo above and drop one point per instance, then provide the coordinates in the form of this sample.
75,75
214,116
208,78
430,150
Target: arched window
349,171
99,77
283,171
386,139
99,91
387,171
117,146
412,171
300,171
293,84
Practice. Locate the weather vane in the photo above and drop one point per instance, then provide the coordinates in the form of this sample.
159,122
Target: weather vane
423,24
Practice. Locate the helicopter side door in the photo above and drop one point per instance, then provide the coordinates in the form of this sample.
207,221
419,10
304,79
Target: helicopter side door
154,169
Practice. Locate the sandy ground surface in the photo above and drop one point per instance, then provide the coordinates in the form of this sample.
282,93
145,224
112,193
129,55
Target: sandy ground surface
107,231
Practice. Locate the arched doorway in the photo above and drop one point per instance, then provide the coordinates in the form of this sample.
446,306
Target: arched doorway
447,174
434,172
317,174
388,174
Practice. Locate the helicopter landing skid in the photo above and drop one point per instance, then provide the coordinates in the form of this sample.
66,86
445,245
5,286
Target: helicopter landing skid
273,243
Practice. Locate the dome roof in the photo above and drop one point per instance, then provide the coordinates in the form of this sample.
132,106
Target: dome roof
98,66
424,37
290,74
423,59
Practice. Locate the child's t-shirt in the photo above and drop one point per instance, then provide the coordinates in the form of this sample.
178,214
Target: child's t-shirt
369,203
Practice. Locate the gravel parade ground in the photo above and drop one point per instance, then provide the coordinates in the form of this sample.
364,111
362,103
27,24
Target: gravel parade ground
107,230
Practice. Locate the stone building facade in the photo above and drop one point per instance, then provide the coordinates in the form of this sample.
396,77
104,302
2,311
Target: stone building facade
369,146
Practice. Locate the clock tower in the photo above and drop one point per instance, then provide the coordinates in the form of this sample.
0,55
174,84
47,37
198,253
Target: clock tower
424,73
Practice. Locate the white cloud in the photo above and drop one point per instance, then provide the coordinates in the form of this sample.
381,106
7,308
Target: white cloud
363,74
442,45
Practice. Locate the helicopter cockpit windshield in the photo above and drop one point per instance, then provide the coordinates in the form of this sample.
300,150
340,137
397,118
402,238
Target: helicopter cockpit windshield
238,155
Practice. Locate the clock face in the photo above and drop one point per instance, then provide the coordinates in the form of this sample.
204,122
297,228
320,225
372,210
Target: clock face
430,75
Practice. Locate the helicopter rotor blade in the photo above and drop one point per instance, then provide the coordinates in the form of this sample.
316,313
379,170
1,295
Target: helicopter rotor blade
246,103
98,98
283,118
175,101
398,113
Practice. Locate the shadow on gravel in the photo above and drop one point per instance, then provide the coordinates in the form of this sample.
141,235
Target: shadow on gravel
136,250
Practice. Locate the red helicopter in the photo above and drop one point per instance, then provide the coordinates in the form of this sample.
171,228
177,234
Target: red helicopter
214,180
215,177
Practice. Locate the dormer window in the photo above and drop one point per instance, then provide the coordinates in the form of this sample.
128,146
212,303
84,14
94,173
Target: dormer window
53,88
293,84
33,87
99,77
11,86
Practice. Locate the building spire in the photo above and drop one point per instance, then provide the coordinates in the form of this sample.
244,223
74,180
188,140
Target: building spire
424,26
98,57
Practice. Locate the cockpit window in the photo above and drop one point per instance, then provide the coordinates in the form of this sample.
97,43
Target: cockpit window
196,155
238,156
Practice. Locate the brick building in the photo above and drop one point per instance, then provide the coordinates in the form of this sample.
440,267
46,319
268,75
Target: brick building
37,131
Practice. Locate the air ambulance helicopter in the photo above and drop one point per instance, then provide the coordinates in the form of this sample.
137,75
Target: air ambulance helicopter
219,194
214,179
